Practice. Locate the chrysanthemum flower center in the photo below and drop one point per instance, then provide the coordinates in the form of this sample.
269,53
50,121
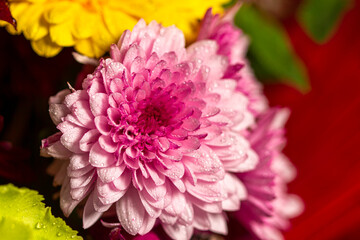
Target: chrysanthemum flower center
137,124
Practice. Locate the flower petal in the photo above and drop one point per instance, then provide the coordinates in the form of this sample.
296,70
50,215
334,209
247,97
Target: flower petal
100,158
130,211
90,215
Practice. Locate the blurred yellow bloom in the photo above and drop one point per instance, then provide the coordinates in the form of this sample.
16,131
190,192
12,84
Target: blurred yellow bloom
91,26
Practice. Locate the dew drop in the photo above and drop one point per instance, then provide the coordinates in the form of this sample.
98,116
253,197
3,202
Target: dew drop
59,234
39,225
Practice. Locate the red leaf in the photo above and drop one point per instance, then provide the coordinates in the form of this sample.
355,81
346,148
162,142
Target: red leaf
5,13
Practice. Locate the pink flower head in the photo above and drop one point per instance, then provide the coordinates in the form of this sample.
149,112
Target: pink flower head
233,44
156,132
268,207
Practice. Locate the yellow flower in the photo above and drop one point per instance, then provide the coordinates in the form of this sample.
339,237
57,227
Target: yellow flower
91,26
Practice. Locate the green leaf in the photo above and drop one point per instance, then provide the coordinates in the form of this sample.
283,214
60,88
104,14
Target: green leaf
23,216
270,51
320,17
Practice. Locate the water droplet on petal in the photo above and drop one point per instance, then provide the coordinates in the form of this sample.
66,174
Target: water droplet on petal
39,225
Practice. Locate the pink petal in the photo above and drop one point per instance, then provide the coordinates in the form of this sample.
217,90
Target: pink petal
170,39
99,206
202,50
133,52
179,184
171,154
81,110
176,171
187,216
137,180
116,99
156,176
106,189
218,223
111,70
71,136
78,161
143,170
162,143
97,86
57,112
82,181
205,191
151,210
54,148
116,87
190,144
235,191
123,181
147,225
203,161
210,111
191,124
115,52
137,65
156,192
201,220
80,193
133,163
130,211
67,204
90,215
167,218
114,116
109,174
75,97
99,157
178,232
178,203
107,144
99,103
102,125
59,97
179,134
155,204
79,172
214,207
88,140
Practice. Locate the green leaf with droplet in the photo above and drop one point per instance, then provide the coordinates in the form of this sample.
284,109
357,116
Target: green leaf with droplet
23,216
270,52
320,17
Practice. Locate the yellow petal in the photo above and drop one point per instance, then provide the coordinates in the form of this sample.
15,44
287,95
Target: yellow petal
102,36
88,48
36,27
117,22
59,12
18,10
84,23
9,27
45,47
61,34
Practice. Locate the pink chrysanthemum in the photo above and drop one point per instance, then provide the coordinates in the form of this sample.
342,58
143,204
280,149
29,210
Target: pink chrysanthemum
233,44
268,207
156,131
